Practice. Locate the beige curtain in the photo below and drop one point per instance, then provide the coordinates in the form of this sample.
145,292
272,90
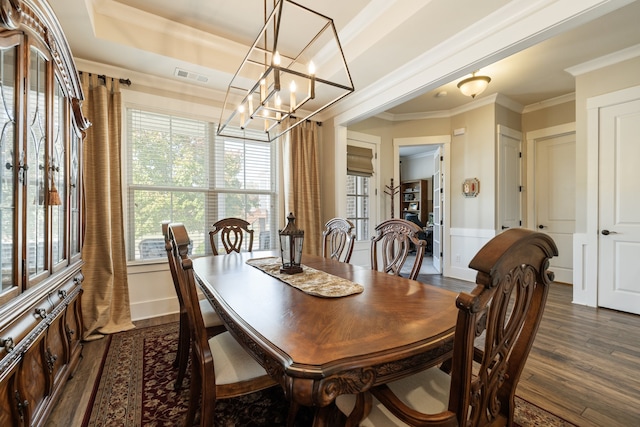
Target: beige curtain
105,301
302,182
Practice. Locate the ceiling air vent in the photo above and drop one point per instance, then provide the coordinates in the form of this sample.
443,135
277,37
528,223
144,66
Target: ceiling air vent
191,75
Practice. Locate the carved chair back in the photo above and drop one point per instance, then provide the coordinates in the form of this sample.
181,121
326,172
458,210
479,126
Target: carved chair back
507,304
496,325
232,233
338,238
391,245
242,377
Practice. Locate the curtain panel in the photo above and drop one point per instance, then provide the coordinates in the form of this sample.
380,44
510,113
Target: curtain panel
105,301
301,186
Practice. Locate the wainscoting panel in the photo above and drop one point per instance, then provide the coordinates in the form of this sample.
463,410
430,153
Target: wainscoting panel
464,245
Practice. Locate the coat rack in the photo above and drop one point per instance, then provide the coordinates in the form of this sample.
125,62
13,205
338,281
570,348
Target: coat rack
392,191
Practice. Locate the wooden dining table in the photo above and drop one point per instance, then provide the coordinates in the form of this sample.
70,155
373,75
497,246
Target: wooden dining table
317,348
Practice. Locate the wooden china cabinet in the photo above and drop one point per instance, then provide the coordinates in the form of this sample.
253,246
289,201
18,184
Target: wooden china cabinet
41,133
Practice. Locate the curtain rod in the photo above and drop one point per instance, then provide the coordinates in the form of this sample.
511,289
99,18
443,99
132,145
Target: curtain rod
104,78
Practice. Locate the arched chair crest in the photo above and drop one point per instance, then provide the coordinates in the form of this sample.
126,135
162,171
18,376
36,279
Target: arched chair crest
391,245
231,232
338,239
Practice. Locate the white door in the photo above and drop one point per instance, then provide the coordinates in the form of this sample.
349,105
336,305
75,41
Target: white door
510,179
619,208
555,192
437,210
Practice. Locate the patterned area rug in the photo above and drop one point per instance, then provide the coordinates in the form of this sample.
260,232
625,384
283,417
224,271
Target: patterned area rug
135,388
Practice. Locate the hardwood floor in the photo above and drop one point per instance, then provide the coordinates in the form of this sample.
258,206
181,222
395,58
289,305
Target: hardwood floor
583,366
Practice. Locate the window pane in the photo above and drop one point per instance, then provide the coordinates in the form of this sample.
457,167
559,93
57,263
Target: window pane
167,151
151,207
257,209
243,165
178,171
358,204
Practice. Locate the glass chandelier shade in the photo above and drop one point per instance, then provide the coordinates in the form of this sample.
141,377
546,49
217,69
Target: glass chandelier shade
294,69
473,85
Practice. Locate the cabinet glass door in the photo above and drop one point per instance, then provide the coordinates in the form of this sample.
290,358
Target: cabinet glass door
7,165
57,174
36,160
74,194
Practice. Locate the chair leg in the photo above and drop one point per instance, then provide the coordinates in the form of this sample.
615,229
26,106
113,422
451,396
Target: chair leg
182,355
194,398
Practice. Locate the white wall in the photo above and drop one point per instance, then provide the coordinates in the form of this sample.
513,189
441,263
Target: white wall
417,166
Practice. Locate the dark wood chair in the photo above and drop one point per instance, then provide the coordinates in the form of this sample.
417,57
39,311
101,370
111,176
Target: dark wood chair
220,367
232,233
391,245
496,326
212,321
338,238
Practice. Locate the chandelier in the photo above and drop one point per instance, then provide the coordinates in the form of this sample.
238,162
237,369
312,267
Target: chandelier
294,69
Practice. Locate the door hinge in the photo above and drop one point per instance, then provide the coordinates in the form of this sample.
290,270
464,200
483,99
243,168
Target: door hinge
520,223
441,158
440,254
520,154
520,188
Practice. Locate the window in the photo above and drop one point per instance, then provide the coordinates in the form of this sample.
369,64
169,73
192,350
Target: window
358,204
360,170
178,170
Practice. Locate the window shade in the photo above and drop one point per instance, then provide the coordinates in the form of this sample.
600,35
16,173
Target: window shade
359,161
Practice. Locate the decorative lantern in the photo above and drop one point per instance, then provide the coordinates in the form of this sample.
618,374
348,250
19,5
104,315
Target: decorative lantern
291,240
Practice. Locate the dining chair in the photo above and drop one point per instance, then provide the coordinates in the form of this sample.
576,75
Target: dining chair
232,233
212,321
338,238
220,367
495,329
391,245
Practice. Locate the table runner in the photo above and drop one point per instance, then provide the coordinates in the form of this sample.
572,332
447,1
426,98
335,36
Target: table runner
310,281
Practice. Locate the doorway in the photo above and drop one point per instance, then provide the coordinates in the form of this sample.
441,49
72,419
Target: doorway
439,262
618,204
551,184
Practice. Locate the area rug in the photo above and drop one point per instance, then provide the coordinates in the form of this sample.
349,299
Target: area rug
135,388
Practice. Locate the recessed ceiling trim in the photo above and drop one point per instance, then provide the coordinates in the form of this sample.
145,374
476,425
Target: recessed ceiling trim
605,61
495,37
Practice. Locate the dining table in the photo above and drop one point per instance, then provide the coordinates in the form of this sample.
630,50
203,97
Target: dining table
333,329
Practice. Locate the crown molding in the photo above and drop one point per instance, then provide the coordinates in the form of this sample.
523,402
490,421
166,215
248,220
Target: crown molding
562,99
605,61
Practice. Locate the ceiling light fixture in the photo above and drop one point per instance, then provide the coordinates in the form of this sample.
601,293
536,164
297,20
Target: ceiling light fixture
474,85
294,69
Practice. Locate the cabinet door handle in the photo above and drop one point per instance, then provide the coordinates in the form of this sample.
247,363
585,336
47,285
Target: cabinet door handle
21,405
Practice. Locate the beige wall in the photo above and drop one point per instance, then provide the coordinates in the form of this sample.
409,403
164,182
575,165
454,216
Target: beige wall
608,79
473,156
548,117
508,118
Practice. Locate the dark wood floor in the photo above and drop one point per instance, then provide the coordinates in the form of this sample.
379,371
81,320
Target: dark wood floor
584,365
